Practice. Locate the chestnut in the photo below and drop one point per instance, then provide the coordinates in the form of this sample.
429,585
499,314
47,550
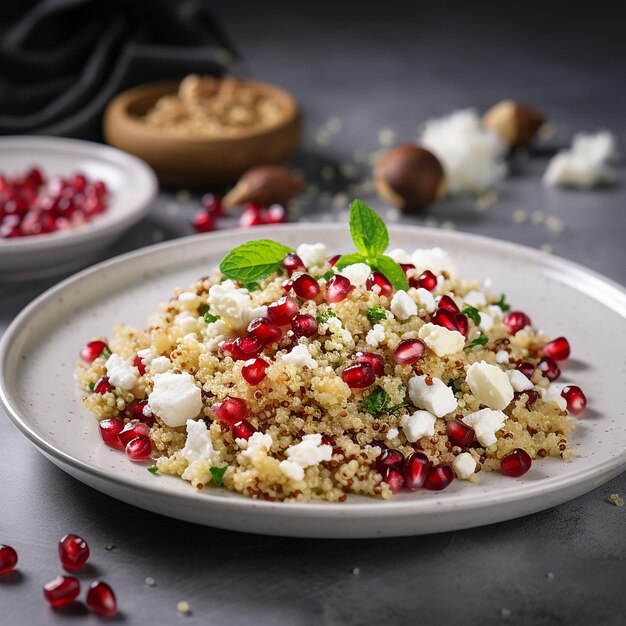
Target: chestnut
264,185
409,177
517,124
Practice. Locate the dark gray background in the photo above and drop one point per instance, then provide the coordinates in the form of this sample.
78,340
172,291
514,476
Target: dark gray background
390,68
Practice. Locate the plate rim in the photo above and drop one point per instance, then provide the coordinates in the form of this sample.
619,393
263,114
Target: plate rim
131,214
605,469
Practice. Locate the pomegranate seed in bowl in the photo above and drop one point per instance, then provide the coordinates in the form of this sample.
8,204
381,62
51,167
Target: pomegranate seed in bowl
265,330
549,368
515,321
304,325
427,280
575,398
416,468
293,263
515,463
306,287
460,434
282,312
359,375
230,410
93,350
139,449
557,349
438,478
110,430
409,351
379,284
337,288
375,360
254,370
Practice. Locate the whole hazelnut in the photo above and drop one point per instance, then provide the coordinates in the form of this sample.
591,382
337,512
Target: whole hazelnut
516,123
264,185
409,177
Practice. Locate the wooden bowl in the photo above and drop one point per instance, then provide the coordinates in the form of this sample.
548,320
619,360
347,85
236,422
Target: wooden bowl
198,161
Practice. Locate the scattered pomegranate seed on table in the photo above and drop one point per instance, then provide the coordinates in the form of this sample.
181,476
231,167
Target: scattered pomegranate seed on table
203,222
515,463
73,552
101,599
61,590
8,559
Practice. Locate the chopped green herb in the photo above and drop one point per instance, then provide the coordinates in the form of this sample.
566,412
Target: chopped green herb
92,385
202,309
481,340
153,469
254,260
472,313
378,400
324,316
106,353
253,286
375,313
503,304
328,275
218,474
209,317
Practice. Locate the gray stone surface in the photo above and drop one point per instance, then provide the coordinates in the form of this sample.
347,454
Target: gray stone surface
386,70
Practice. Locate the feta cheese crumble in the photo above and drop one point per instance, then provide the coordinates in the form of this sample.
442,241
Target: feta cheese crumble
585,164
502,356
301,357
121,372
198,448
417,425
375,336
393,433
399,255
310,451
464,465
312,254
159,365
231,303
175,398
490,385
553,394
434,259
475,299
403,306
255,448
485,423
441,340
437,397
519,381
425,298
357,273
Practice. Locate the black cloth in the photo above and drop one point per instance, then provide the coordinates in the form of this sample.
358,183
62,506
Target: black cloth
62,61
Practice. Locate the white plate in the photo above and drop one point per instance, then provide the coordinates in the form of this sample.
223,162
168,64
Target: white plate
132,185
40,348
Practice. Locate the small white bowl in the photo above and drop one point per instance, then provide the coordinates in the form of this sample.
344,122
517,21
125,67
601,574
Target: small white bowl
132,188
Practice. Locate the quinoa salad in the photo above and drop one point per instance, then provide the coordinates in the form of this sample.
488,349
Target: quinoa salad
295,375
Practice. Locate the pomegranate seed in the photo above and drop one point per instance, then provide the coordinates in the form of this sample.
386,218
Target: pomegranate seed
337,288
135,410
575,398
287,285
73,552
462,324
393,478
531,397
557,349
275,214
254,371
139,449
242,430
528,369
460,434
359,375
230,410
293,263
304,325
251,216
101,599
8,559
61,590
203,222
333,260
375,360
102,385
93,350
248,346
415,470
447,303
549,368
99,188
110,432
409,351
427,280
376,279
444,318
133,430
78,182
35,177
439,477
138,363
515,321
515,463
306,287
328,440
389,458
264,330
213,205
283,311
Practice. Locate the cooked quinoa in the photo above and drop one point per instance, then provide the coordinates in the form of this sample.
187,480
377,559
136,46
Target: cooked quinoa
313,435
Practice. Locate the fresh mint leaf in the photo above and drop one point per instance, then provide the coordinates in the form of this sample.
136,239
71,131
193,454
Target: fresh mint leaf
393,272
375,313
106,353
472,313
92,385
350,259
324,316
210,318
481,340
253,286
368,230
328,275
153,469
253,260
218,474
376,401
503,304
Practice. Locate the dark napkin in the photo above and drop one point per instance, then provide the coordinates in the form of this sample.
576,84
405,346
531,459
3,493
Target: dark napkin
62,61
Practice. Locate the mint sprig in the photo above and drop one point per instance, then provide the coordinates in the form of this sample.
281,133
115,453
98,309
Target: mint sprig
254,260
481,340
218,474
503,304
371,238
375,313
378,401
